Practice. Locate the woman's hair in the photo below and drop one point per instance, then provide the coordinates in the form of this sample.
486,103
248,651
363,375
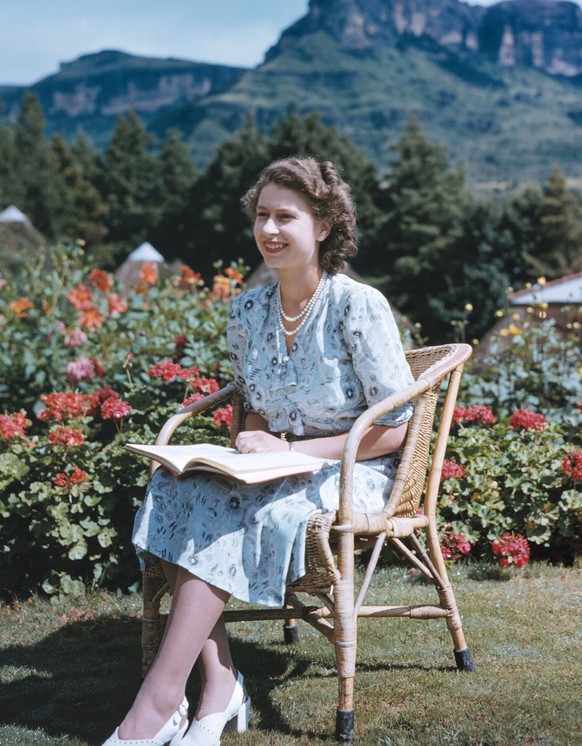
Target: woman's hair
328,196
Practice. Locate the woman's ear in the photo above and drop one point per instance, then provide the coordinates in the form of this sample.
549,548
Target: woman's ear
324,230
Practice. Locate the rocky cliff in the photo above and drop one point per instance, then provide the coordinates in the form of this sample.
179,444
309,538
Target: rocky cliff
545,34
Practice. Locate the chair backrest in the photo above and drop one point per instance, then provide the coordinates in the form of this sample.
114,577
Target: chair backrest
432,364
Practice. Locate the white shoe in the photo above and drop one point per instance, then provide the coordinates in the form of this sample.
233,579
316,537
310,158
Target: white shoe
172,732
207,731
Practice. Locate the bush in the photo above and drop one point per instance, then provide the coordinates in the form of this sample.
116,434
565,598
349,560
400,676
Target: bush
86,367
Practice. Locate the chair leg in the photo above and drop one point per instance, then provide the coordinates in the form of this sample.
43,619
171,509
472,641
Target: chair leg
345,639
463,657
290,628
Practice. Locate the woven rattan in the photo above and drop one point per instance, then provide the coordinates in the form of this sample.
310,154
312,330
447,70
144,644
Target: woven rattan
334,604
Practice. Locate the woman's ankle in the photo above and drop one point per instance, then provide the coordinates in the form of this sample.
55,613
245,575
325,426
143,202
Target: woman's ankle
216,692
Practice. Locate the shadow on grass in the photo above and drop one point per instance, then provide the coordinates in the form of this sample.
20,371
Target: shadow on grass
80,680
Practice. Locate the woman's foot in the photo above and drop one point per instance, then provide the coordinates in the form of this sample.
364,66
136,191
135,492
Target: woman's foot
171,732
207,730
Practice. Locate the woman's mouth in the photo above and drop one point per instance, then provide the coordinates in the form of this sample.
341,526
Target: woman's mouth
274,247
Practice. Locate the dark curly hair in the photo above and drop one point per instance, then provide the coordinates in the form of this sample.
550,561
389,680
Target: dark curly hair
328,196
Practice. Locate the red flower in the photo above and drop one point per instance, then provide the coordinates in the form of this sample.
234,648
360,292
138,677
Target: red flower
479,413
512,548
64,404
580,405
12,425
166,370
66,479
91,318
454,546
68,436
452,469
223,416
525,419
100,280
572,464
114,408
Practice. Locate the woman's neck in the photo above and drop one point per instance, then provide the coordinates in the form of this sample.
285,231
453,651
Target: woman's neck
298,287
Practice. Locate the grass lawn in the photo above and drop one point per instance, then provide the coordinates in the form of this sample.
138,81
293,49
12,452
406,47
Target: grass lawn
68,671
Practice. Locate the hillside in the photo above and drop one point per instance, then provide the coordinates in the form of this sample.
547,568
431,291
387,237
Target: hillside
501,86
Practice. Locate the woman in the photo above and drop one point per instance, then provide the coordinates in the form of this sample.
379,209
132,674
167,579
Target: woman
310,353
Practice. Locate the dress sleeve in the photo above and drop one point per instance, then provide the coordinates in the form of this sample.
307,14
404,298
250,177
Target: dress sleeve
373,341
237,337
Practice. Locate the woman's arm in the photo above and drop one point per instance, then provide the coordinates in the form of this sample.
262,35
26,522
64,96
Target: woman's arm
378,441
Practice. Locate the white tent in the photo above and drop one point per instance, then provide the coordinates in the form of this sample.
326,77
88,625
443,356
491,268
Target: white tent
145,253
13,215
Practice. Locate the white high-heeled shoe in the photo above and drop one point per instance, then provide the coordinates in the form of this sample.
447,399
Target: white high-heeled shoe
171,732
207,731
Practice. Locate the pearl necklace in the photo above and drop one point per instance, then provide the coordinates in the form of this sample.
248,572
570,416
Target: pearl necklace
304,315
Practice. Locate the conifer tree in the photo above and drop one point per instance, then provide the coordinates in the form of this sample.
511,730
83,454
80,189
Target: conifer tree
423,233
558,247
130,183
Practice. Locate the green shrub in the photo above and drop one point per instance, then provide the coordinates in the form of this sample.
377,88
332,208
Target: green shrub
87,367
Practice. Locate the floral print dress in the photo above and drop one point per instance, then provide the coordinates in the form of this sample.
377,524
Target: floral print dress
249,540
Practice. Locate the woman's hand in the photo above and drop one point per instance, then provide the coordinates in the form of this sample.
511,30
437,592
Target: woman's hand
258,441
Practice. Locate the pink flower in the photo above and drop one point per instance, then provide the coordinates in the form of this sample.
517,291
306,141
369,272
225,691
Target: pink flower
114,408
13,425
479,413
572,464
512,548
452,469
81,369
75,338
454,546
68,436
525,419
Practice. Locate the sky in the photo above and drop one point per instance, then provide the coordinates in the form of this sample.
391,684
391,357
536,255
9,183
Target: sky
37,35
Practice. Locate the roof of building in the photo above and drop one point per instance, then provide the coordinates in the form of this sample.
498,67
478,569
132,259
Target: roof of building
564,291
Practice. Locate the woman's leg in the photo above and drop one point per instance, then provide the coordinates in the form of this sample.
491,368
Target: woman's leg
195,611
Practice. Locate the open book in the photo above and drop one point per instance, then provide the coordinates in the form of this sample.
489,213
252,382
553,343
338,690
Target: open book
248,467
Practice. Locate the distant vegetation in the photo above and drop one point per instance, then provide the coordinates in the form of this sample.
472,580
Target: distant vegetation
426,241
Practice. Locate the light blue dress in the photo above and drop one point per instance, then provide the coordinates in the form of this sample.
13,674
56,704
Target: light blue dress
250,539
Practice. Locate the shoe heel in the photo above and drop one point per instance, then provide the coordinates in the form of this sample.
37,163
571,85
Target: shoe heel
240,722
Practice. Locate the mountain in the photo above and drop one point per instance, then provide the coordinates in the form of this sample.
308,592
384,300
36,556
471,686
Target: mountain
90,92
500,86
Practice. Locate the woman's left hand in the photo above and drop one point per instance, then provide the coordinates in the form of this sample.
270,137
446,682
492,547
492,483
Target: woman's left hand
258,441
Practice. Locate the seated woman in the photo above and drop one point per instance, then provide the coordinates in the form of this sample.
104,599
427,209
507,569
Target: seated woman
310,354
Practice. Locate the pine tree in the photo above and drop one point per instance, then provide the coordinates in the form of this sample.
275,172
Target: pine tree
177,177
558,247
82,211
130,183
423,233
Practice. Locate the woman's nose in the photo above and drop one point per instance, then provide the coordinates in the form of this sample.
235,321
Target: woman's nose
270,227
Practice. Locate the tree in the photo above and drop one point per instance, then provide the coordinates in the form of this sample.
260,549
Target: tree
218,229
177,177
558,248
130,182
82,211
423,234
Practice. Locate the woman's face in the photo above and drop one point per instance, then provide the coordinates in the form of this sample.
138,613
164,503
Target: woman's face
287,234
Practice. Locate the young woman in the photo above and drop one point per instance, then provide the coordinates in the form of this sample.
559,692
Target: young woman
310,353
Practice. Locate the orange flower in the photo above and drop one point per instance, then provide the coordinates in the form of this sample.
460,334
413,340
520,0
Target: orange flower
188,278
149,273
234,275
21,306
81,297
91,318
115,304
100,280
221,288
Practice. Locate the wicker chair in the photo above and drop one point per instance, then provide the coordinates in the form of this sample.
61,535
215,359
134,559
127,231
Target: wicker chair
333,537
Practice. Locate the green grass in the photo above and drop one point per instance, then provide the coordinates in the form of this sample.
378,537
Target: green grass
69,671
